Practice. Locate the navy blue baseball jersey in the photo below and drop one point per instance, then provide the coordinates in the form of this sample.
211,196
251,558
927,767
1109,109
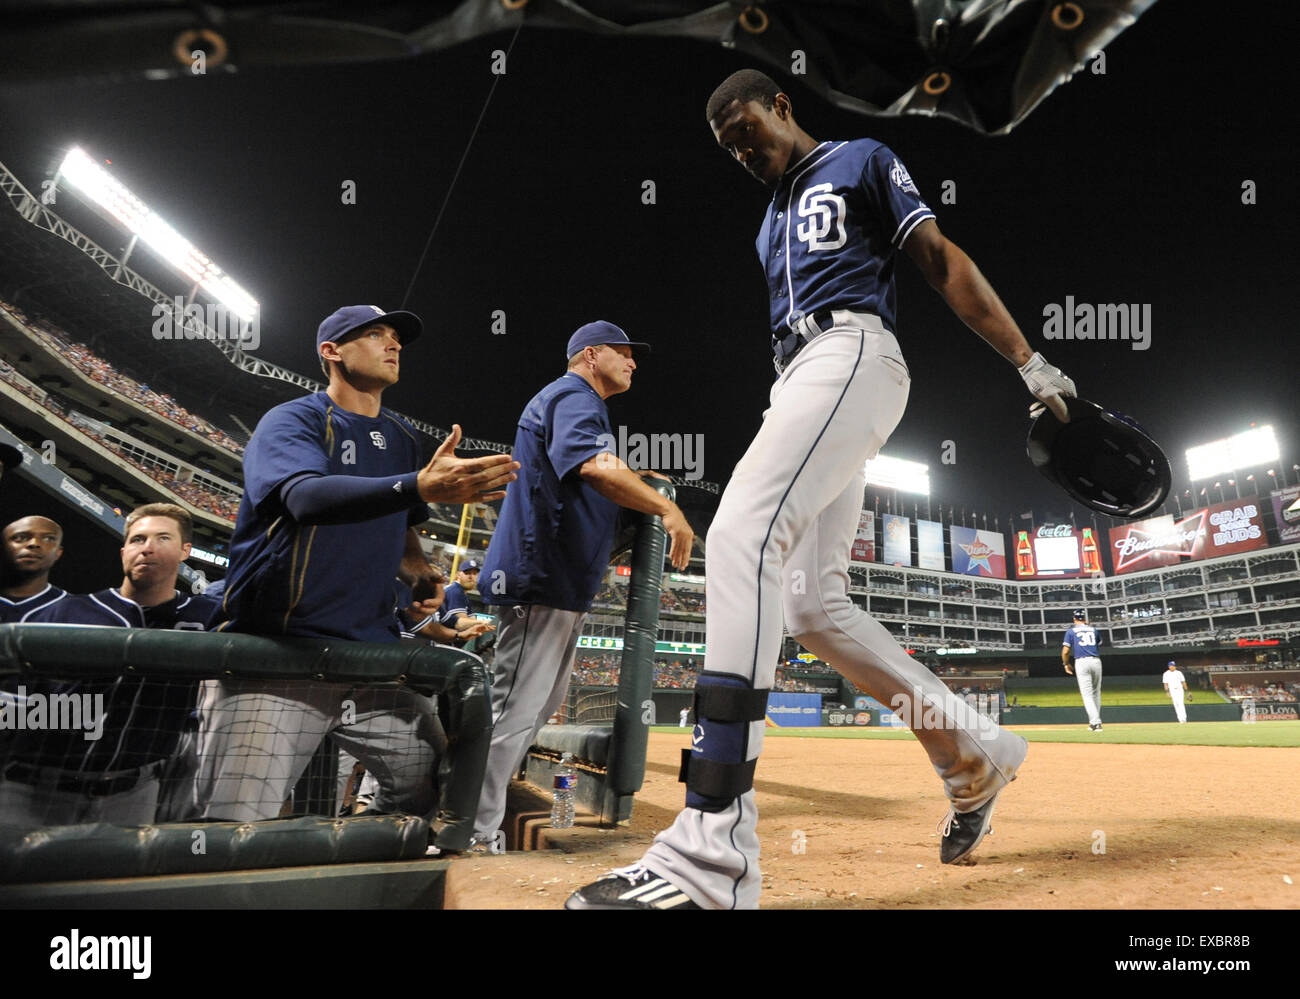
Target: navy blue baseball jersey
14,611
554,535
142,718
321,580
454,603
406,623
1081,639
831,233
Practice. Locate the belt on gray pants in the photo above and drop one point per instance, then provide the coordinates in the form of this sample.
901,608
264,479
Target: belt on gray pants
94,785
804,330
807,328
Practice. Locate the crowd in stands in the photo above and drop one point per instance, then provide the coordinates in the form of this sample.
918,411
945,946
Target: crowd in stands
677,674
602,670
613,596
791,684
99,370
683,601
219,504
1267,692
596,670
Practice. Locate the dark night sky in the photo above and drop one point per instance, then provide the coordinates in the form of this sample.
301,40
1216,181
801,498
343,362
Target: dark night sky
1123,187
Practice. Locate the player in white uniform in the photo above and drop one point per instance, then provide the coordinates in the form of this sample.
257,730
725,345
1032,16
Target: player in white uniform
1175,682
779,545
1080,645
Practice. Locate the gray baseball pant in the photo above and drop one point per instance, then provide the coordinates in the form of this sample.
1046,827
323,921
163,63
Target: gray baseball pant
536,647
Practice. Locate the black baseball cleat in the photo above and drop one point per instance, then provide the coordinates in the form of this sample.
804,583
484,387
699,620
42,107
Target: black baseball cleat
963,831
630,888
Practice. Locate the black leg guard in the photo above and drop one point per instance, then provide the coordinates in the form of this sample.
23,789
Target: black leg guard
714,769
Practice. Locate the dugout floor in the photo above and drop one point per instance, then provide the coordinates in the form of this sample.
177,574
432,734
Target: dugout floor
1182,827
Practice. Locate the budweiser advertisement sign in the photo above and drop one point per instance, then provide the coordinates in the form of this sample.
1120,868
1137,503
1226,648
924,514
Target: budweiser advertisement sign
1057,551
1222,529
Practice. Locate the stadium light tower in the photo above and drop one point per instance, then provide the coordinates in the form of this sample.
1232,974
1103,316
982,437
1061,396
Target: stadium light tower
897,473
1248,449
93,182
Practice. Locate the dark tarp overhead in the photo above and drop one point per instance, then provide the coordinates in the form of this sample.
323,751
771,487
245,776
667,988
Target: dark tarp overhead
986,63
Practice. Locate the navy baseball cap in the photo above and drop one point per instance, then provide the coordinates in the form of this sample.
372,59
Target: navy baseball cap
599,333
469,566
1080,615
355,317
1171,663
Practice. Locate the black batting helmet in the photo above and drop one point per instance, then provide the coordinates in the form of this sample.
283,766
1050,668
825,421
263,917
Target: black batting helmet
1105,460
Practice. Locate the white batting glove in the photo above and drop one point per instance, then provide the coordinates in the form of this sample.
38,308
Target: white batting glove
1048,385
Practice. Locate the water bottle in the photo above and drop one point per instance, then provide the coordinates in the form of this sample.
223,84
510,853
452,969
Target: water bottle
566,783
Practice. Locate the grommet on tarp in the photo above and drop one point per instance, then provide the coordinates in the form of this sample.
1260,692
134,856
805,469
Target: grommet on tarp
754,20
212,45
1067,16
936,83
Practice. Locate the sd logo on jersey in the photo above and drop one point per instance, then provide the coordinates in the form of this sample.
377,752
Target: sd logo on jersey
824,211
377,439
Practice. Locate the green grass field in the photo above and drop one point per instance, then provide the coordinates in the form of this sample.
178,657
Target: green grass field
1283,734
1056,697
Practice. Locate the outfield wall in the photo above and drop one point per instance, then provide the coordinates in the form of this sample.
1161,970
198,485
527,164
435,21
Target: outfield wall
1120,713
668,704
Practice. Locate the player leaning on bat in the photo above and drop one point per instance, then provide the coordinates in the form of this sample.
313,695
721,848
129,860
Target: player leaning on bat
839,214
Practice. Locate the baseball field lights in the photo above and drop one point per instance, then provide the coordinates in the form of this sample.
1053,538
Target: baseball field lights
898,473
96,184
1248,449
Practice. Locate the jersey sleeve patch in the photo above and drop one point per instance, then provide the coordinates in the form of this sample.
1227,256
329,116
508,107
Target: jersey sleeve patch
902,179
895,194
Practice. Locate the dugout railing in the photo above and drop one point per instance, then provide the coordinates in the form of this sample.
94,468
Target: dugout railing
45,656
611,753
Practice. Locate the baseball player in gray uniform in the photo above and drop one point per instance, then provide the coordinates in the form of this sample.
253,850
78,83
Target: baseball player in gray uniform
779,545
1080,647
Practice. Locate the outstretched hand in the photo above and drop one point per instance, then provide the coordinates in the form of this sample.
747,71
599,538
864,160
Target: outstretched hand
449,479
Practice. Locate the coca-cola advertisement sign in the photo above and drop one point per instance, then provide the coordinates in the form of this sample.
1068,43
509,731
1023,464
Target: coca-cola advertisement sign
1056,551
1222,529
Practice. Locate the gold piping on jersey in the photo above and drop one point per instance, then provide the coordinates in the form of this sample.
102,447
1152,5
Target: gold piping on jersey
401,425
302,576
293,566
329,430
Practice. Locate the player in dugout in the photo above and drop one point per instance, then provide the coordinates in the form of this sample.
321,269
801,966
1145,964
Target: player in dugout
334,485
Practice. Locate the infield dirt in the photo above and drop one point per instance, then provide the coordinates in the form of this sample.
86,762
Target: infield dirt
1182,827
